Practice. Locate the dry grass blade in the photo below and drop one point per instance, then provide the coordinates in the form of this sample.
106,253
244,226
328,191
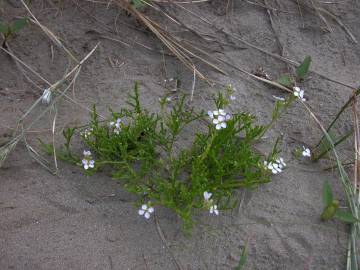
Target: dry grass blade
346,29
6,149
274,55
316,8
74,72
50,34
163,239
171,42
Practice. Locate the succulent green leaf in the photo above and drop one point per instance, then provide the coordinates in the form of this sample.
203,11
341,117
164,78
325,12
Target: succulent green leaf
18,25
4,28
243,258
346,217
327,194
304,67
285,80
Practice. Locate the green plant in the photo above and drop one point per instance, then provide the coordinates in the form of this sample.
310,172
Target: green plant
9,29
302,70
243,257
331,209
147,152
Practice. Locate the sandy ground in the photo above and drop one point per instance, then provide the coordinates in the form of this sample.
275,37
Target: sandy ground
72,221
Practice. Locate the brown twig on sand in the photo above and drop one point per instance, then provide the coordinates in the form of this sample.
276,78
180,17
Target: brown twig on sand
316,8
356,143
274,55
163,239
162,35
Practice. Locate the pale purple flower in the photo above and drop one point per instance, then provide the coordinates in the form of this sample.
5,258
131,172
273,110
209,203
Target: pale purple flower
116,125
219,118
306,152
299,93
146,210
88,162
214,209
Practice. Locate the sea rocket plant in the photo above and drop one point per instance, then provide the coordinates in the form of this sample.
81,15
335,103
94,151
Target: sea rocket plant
87,161
219,118
147,155
146,210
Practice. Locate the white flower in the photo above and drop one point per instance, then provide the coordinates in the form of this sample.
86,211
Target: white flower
214,210
306,152
87,161
209,203
219,118
281,163
299,93
116,125
87,133
275,167
46,96
232,97
207,195
146,210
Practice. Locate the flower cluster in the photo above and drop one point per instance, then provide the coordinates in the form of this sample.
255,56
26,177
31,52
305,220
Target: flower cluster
87,161
299,93
306,152
116,126
146,210
219,118
87,133
208,201
276,167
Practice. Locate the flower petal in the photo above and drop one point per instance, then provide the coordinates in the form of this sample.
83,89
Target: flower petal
207,195
141,212
151,210
221,118
222,112
144,207
147,215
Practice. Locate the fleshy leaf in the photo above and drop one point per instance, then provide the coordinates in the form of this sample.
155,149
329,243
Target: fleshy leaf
4,28
243,257
285,80
303,69
346,217
18,25
327,194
